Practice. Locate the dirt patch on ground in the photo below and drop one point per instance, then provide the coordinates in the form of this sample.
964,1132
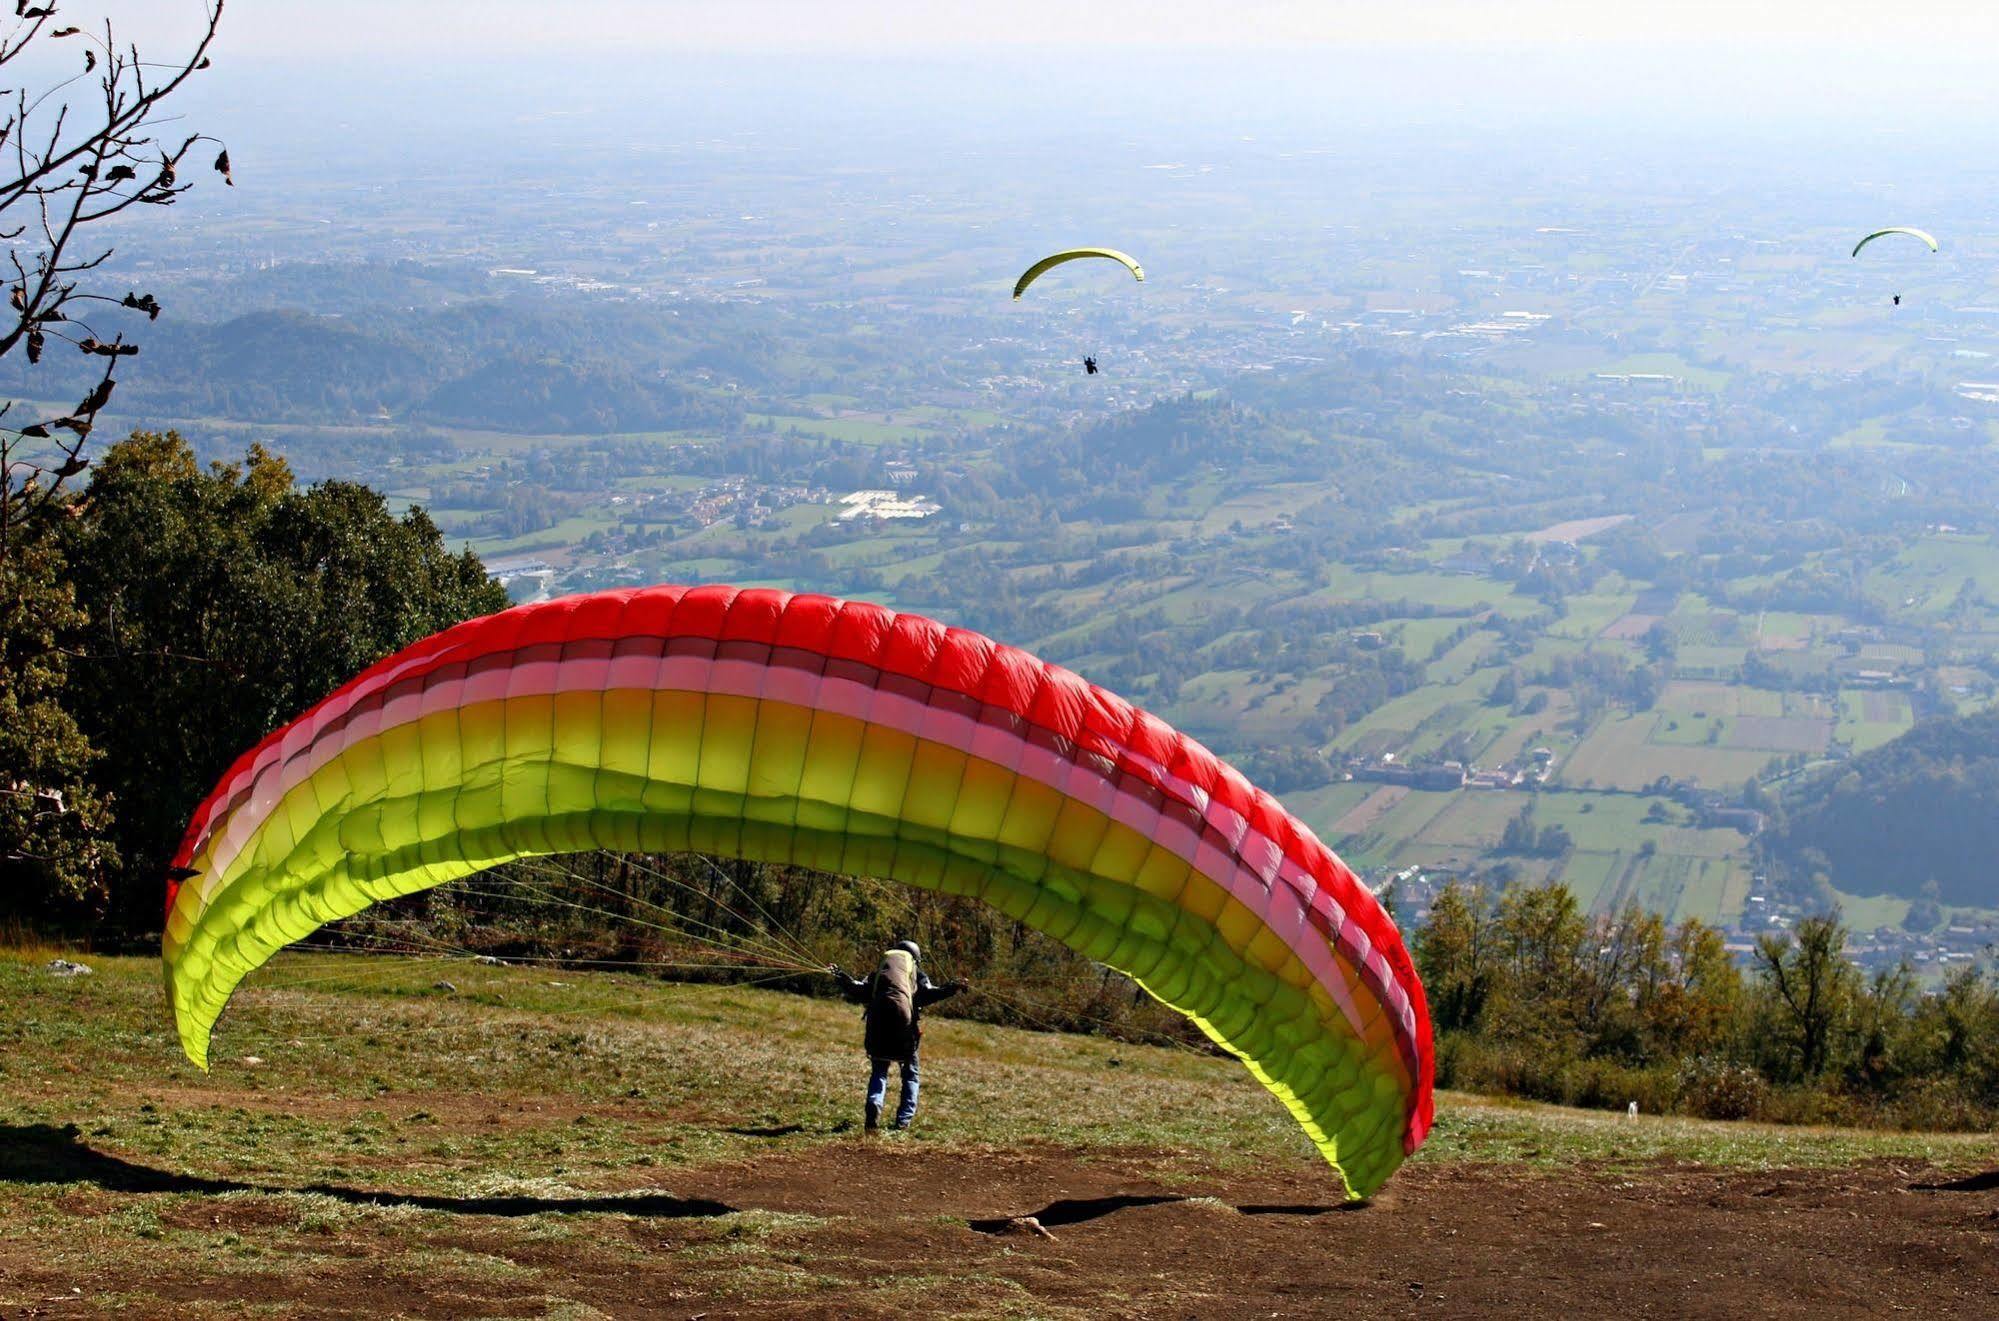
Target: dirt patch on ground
859,1228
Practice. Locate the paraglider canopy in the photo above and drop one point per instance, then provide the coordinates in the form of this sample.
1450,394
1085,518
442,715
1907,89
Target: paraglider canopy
838,736
1897,229
1049,263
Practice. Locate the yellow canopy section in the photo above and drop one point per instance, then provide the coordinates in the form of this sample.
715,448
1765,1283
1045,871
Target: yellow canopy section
1879,233
1049,263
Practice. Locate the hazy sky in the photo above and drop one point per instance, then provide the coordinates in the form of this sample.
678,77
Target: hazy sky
379,27
1725,70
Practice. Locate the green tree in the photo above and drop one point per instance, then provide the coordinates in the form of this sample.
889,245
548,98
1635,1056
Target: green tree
1810,988
1456,957
221,602
1540,933
1958,1032
1692,999
85,145
1883,1017
1619,964
53,864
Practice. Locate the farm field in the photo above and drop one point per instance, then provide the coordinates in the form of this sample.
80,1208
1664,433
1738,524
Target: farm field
1627,847
1624,752
589,1144
1183,600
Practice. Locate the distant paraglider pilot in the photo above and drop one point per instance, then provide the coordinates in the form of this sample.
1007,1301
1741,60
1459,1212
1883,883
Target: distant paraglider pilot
1926,239
895,994
1089,366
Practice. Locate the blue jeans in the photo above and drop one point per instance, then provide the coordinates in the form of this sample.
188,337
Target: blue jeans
905,1109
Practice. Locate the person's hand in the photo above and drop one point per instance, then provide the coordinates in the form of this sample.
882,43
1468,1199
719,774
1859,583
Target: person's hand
834,969
961,985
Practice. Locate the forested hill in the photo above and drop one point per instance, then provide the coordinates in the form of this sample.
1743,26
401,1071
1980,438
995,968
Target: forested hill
1922,808
502,366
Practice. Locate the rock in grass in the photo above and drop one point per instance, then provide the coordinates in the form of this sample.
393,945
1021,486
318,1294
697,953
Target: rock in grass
64,968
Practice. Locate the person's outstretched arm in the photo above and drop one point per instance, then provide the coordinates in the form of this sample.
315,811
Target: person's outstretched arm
854,988
929,993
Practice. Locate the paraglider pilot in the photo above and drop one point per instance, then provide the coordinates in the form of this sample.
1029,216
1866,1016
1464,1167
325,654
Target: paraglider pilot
1089,366
895,994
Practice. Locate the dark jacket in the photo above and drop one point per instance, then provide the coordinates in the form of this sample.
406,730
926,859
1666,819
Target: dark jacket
886,1035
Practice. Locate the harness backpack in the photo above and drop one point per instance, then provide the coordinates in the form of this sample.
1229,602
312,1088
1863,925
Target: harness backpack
891,1017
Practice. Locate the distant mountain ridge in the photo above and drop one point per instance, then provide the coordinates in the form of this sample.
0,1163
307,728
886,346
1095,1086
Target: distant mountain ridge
502,366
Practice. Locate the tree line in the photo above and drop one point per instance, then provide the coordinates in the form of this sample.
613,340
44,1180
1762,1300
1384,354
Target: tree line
1532,996
166,619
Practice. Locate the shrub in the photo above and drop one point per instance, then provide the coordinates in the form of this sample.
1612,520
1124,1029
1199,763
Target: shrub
1717,1089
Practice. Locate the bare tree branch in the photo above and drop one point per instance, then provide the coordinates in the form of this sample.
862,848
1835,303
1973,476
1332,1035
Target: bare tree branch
69,161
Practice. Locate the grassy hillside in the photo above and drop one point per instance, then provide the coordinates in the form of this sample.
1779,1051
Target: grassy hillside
530,1142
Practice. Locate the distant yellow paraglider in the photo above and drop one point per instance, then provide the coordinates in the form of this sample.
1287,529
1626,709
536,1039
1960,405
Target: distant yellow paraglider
1049,263
1897,229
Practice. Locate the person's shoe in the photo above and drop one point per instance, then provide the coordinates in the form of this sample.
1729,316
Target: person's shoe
900,1126
873,1123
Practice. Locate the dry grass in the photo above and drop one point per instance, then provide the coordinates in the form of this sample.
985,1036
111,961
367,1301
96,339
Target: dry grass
508,1143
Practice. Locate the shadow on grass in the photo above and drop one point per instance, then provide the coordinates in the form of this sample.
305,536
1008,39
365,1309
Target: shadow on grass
1078,1210
773,1131
1302,1208
45,1154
